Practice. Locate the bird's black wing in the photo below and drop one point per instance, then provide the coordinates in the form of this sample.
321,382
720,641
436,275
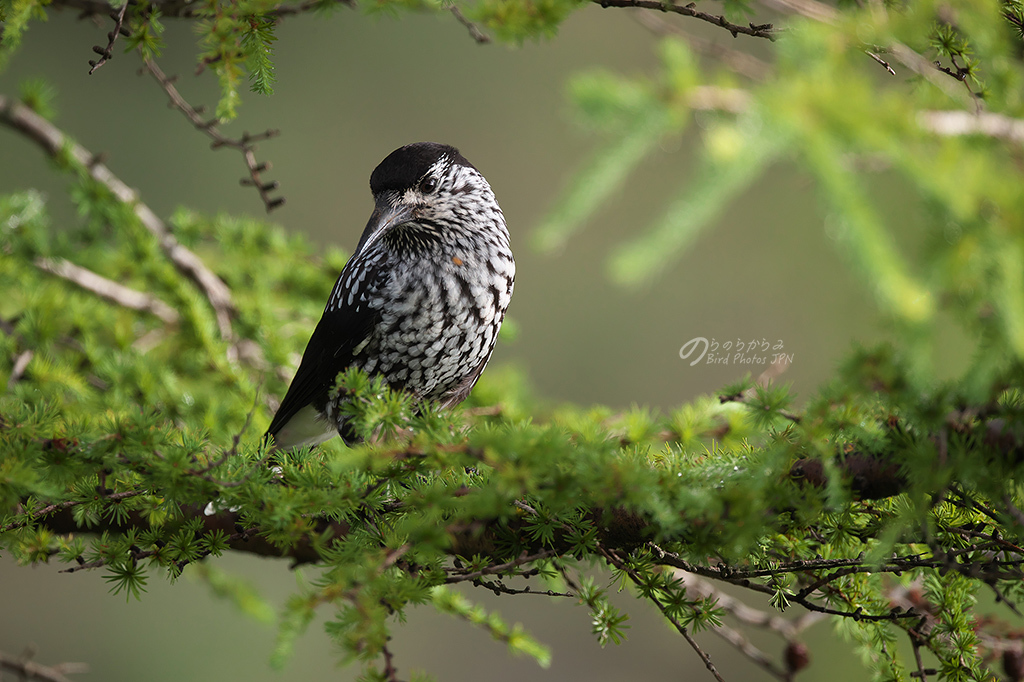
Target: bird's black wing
346,324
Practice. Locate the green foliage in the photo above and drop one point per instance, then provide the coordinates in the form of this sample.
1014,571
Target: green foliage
517,20
257,43
243,595
890,500
146,33
518,641
125,425
15,15
38,95
609,624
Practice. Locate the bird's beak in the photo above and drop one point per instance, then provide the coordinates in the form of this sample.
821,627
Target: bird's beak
388,213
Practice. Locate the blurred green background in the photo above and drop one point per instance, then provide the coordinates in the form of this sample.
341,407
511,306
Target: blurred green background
350,90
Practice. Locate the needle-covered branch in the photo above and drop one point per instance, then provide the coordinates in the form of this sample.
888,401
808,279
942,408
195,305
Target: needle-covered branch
56,144
459,502
245,144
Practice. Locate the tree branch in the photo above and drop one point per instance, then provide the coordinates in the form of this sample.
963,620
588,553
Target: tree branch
55,143
926,69
23,667
108,289
885,64
244,144
756,30
739,642
106,53
956,123
479,36
810,9
619,564
19,366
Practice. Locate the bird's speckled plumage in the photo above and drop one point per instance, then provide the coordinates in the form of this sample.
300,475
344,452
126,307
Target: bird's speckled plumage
421,300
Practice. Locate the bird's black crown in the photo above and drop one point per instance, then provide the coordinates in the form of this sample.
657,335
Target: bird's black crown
404,167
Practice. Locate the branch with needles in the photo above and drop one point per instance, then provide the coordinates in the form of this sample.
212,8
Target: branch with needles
57,145
245,145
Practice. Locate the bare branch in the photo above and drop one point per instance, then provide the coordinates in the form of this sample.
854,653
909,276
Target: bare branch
56,143
955,123
390,672
747,648
108,289
25,669
926,69
106,53
881,61
811,9
245,144
746,614
1017,515
756,30
19,366
474,31
714,98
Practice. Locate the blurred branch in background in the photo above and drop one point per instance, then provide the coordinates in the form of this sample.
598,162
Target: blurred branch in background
26,669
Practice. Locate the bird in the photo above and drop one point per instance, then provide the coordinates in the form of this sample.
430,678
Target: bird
420,301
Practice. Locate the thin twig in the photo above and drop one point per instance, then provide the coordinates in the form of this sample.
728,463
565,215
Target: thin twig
741,611
108,289
26,669
618,563
235,440
915,641
499,588
740,62
245,144
992,569
474,31
715,98
745,647
881,61
106,53
756,30
749,615
484,411
19,366
57,144
456,577
390,672
811,9
926,69
1016,513
895,565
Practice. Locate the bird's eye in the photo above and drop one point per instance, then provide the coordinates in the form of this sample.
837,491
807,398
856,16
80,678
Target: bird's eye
428,185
